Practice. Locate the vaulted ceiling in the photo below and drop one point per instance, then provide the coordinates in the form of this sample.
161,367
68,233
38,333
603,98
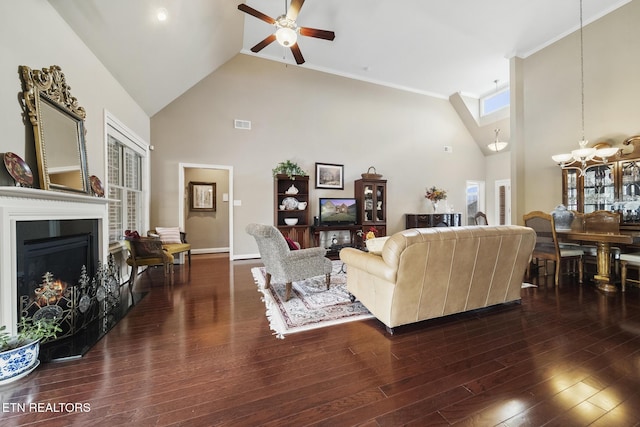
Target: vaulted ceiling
435,47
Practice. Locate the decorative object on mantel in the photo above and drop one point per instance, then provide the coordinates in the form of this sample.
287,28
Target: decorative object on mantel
288,168
19,353
58,129
369,175
18,169
434,195
584,156
96,186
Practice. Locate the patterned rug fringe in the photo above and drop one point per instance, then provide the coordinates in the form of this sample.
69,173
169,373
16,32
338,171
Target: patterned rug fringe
311,305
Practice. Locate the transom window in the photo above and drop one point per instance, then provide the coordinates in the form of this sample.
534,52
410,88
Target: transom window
494,102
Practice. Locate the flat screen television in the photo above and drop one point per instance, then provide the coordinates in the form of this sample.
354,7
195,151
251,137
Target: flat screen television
338,211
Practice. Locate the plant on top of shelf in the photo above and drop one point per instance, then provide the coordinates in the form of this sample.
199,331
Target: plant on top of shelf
288,168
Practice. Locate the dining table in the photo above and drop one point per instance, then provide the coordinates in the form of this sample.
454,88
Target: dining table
603,241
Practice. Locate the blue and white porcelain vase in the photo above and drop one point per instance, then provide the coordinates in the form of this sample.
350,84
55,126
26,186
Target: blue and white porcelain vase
18,362
562,217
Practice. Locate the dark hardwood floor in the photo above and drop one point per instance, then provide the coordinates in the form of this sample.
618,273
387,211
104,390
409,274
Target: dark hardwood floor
200,353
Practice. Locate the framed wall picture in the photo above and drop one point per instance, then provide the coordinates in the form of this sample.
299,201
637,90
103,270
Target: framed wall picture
329,175
202,196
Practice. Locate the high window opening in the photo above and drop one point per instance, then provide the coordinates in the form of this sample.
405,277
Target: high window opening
495,102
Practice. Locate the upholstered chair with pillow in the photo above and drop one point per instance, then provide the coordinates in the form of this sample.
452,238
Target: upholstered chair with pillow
145,251
173,240
283,263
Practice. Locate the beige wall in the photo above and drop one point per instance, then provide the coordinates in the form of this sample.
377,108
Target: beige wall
208,231
551,100
33,34
309,116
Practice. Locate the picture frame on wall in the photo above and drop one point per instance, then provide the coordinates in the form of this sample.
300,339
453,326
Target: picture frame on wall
330,175
202,196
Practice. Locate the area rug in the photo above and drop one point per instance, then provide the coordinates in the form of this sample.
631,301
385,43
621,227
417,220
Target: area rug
311,305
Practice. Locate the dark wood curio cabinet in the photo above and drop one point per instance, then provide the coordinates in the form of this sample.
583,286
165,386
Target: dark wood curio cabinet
614,186
371,196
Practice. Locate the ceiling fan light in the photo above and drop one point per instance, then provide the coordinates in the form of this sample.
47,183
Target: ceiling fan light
286,36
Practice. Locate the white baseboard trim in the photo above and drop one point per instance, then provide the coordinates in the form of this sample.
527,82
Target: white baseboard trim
209,251
246,256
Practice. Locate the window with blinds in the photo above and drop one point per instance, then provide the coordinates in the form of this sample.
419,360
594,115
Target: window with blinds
124,169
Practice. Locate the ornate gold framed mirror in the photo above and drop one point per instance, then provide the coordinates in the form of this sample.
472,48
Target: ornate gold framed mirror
58,128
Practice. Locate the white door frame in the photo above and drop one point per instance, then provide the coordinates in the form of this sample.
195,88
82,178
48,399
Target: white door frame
181,196
507,201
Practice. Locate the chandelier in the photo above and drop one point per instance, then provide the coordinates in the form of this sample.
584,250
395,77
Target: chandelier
584,157
497,145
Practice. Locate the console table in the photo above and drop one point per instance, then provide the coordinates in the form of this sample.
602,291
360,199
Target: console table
433,220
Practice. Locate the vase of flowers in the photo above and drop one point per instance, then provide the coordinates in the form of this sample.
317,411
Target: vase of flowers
434,195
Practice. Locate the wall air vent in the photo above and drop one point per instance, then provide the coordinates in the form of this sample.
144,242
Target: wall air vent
242,124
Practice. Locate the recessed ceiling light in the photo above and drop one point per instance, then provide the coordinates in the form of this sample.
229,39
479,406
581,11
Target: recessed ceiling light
162,14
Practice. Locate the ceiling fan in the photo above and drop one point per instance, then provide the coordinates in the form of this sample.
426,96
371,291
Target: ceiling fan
286,29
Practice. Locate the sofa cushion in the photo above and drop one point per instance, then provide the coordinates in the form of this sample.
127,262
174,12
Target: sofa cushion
169,235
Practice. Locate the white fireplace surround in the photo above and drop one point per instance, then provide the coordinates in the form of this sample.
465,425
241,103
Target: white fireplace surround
29,204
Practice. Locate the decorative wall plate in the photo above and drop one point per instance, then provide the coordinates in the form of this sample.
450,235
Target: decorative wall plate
96,186
290,203
18,169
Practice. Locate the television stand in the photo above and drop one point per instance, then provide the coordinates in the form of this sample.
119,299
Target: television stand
334,250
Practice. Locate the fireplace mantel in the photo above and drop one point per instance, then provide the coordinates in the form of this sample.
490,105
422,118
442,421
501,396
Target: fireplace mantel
30,204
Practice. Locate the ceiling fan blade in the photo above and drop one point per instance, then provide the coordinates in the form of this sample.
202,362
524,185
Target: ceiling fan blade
251,11
319,34
294,9
297,54
264,43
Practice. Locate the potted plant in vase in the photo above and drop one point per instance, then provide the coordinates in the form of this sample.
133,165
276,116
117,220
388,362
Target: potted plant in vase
19,353
288,168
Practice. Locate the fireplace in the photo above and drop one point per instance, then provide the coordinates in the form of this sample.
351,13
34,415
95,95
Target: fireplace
50,270
53,259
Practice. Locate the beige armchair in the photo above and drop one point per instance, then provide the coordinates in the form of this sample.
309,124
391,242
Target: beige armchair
284,264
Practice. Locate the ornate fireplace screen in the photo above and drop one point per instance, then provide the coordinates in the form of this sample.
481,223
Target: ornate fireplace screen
75,305
58,128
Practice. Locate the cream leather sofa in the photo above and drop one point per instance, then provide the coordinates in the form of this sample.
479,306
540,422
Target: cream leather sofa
432,272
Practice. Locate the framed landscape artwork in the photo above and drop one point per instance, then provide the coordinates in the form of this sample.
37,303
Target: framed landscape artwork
329,175
202,196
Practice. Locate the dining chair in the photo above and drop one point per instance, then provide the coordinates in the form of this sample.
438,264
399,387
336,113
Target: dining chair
626,261
480,218
547,247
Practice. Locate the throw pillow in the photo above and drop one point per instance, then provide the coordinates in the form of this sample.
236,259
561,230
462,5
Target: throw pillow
375,246
145,247
292,245
169,234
